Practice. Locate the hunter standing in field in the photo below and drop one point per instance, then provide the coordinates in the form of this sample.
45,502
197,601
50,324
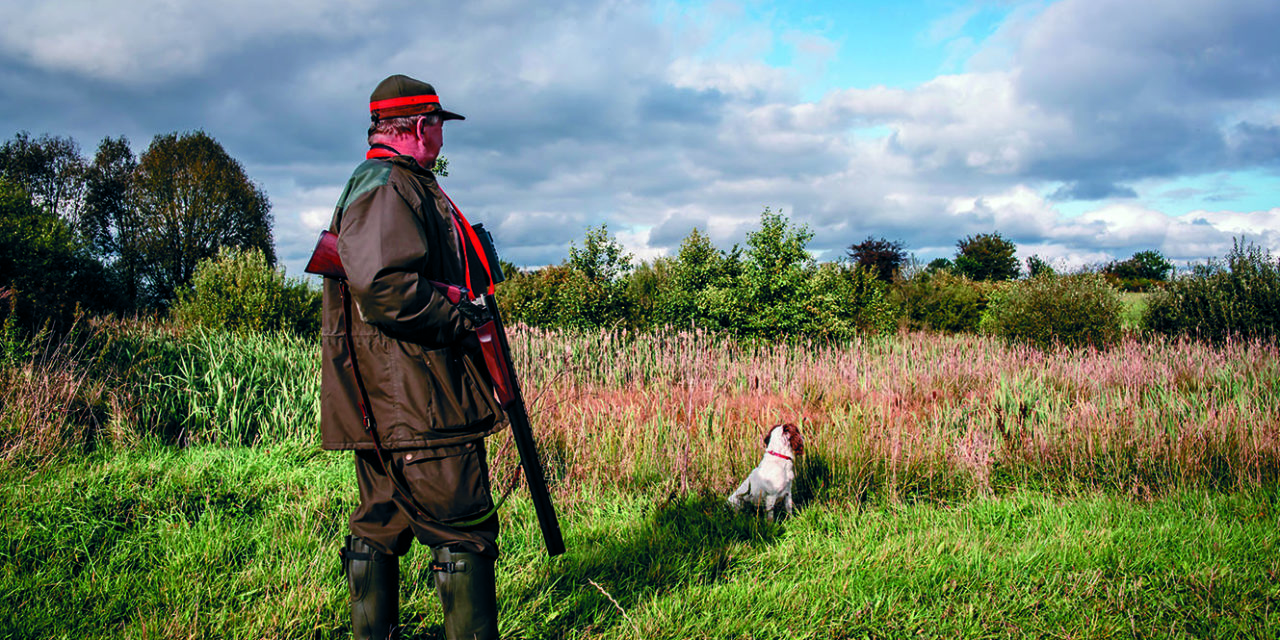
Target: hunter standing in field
414,403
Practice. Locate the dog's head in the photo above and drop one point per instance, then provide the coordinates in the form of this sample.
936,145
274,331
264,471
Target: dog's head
791,433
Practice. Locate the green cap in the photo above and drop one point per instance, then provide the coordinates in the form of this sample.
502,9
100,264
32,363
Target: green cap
401,95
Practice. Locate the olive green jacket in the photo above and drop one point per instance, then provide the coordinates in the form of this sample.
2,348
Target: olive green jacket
417,354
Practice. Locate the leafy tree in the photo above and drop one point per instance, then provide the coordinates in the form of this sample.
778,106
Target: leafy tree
986,256
193,198
1038,266
48,169
601,257
1145,265
45,273
775,273
602,262
882,257
939,264
106,200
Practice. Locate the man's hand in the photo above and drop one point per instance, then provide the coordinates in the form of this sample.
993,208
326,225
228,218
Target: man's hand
476,313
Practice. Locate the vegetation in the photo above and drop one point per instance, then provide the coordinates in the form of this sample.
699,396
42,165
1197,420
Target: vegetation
238,290
986,256
1143,271
191,198
1049,310
880,256
47,272
943,301
951,485
1220,300
771,289
140,225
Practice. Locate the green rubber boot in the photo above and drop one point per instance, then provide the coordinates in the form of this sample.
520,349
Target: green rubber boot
468,594
373,578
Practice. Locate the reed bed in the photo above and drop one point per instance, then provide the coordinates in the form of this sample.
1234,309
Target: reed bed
915,415
919,414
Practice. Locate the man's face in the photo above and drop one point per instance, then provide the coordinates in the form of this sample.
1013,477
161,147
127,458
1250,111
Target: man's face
431,138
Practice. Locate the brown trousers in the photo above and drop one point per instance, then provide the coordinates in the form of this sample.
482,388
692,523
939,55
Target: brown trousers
448,484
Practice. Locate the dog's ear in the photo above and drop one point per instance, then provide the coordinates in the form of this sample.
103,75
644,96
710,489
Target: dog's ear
793,437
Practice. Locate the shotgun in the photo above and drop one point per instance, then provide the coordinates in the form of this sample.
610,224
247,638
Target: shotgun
492,335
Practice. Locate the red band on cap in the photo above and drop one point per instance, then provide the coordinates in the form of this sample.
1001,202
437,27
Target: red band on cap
401,102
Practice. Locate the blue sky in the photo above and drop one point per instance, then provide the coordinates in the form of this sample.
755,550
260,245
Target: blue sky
1084,130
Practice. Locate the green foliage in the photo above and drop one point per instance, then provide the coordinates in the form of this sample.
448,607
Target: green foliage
45,269
843,301
1143,271
49,169
943,301
940,264
239,291
986,256
1047,310
1217,300
771,290
191,198
775,272
880,256
1037,266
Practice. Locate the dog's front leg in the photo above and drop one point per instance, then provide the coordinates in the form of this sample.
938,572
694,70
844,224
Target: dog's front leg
770,501
735,500
789,504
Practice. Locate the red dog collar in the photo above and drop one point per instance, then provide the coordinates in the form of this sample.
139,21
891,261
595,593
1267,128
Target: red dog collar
775,453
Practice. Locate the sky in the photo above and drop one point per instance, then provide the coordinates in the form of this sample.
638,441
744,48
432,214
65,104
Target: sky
1083,130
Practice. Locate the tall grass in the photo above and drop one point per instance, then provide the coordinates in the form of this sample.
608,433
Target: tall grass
916,415
919,414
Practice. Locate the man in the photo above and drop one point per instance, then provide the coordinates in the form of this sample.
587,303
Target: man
402,378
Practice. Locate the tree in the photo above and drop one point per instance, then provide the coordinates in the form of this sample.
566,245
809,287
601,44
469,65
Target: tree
880,256
1037,266
775,272
48,169
600,291
939,264
192,198
986,256
44,270
1145,265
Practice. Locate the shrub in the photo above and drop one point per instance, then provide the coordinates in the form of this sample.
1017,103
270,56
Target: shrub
45,271
1240,297
844,301
239,291
987,256
943,301
1074,310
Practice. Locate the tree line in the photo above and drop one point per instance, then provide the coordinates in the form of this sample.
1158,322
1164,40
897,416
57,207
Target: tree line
119,232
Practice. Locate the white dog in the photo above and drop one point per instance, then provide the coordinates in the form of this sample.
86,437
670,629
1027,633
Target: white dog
771,480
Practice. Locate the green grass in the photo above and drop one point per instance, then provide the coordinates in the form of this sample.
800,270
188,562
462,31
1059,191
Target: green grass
1135,303
236,542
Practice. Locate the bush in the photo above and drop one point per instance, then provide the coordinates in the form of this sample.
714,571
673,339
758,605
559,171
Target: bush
1074,310
239,291
1216,300
845,301
986,256
943,301
46,274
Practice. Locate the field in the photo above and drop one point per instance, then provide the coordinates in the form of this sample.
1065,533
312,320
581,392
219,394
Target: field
161,484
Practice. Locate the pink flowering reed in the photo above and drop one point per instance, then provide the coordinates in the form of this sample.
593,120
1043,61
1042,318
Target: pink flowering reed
916,414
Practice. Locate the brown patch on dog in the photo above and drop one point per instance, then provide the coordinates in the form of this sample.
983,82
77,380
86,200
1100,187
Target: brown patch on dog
792,432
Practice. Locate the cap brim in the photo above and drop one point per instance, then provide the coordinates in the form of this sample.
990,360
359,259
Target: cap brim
449,115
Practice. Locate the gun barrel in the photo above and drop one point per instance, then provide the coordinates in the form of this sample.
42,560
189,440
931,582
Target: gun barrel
522,431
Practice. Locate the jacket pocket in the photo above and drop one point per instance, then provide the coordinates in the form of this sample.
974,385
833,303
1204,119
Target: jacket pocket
450,483
460,398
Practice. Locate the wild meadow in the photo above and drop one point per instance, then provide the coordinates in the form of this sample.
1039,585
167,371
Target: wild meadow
164,483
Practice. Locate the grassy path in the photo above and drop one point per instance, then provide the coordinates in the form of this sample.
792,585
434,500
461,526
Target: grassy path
241,543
